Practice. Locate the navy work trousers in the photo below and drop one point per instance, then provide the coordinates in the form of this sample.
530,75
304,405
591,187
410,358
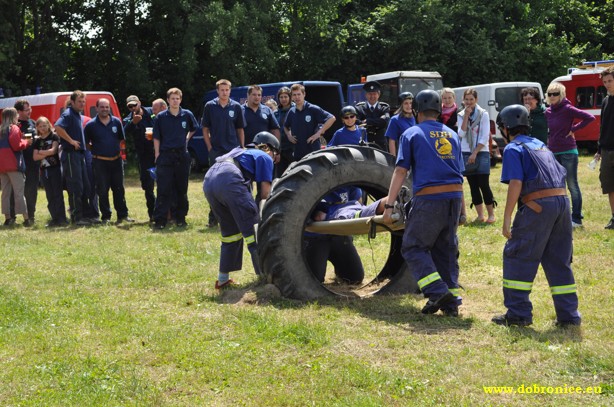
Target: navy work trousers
430,245
172,172
110,175
233,205
77,183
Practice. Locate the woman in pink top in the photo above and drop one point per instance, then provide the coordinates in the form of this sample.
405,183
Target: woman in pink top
563,121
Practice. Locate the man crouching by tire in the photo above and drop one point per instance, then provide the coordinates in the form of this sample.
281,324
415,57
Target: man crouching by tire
228,189
432,151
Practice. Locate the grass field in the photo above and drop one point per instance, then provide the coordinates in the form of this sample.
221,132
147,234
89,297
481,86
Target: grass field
123,316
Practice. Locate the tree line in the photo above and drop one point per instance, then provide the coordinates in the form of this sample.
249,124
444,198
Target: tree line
144,47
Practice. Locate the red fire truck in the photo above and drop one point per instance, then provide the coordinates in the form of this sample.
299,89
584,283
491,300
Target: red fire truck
585,90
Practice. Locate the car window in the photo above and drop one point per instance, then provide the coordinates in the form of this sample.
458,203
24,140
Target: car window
507,96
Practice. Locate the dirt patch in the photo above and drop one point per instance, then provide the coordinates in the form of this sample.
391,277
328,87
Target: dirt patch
256,295
354,290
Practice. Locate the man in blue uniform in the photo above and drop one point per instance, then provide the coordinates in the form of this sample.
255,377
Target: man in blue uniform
306,123
432,152
541,231
104,133
222,124
227,187
258,117
70,129
374,115
173,128
135,125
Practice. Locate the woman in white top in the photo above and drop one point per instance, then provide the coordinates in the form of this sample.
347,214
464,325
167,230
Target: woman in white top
474,132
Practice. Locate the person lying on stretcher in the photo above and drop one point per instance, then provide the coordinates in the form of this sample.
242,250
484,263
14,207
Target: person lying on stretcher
346,203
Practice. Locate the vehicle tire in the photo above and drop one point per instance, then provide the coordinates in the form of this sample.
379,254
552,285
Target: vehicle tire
293,198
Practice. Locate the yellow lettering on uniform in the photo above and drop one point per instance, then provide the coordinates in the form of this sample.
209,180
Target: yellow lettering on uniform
440,134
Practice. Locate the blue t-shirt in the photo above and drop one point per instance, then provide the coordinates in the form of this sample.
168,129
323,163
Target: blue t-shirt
104,138
432,151
70,120
262,119
172,130
397,126
304,124
223,123
258,164
517,163
346,136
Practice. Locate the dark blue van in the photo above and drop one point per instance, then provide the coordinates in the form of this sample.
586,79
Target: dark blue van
327,95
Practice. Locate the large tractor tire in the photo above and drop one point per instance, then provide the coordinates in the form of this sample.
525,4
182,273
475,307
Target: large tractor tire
293,198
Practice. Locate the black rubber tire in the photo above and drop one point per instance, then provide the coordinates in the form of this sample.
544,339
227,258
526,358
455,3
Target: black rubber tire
293,198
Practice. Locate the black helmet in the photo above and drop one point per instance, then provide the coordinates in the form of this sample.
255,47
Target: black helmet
348,110
427,99
513,116
405,95
264,137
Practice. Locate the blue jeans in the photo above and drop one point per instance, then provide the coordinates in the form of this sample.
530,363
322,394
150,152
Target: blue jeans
570,162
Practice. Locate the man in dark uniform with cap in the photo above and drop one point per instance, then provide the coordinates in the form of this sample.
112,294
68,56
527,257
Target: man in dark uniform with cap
135,126
374,115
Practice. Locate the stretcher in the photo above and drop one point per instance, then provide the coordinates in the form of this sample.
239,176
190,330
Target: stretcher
357,226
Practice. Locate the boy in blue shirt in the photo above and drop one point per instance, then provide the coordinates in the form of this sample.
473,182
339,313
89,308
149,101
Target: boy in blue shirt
173,128
541,231
306,123
350,133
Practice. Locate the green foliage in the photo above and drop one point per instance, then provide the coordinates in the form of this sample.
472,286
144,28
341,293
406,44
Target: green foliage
145,47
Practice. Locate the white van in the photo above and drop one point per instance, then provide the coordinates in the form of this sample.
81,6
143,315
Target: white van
493,97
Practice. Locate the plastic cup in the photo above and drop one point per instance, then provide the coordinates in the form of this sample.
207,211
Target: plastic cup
149,133
28,136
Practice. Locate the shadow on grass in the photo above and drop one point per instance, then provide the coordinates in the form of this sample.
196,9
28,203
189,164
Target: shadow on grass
399,310
554,335
393,309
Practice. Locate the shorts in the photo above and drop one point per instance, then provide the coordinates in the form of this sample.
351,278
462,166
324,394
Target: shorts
606,171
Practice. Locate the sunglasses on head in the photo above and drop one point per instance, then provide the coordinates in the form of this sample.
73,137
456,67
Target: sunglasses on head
554,94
